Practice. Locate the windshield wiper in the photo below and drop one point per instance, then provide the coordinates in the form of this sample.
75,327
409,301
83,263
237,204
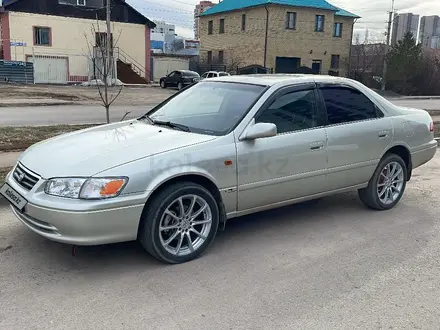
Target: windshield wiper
172,125
147,117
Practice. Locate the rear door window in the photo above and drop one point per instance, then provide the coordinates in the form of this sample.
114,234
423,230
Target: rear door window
345,104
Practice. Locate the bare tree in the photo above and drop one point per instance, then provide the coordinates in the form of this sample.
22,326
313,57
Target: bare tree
102,55
366,59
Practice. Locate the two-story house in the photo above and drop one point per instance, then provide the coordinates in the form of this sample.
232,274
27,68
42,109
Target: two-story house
61,37
279,34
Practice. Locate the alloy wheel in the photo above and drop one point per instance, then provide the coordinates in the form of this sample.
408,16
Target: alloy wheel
390,183
185,225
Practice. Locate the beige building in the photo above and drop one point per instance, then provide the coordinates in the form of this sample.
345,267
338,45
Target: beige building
278,36
62,39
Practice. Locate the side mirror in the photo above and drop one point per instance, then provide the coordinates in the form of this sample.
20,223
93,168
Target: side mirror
259,130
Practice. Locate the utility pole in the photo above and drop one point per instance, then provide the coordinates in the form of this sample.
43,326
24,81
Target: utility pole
384,71
109,37
108,60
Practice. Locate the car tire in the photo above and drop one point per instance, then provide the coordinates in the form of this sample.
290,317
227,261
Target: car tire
162,84
179,86
172,245
387,185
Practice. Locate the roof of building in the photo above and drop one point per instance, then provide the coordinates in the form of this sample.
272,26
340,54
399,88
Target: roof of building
230,5
129,3
344,13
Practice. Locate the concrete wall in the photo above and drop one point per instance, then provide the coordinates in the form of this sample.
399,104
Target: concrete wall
163,65
247,46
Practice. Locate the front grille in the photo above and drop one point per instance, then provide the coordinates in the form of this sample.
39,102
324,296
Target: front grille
25,177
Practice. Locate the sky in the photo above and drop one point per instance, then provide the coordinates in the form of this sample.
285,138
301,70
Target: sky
373,13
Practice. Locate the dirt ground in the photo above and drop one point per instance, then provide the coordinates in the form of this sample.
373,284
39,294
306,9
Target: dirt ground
81,95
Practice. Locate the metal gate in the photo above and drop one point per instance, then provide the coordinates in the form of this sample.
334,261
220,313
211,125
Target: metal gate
50,69
287,64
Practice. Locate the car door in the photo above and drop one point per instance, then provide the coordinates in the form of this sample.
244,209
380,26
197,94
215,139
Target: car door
357,135
170,78
291,164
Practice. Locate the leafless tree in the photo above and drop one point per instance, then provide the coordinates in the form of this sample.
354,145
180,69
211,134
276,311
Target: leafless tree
366,59
104,66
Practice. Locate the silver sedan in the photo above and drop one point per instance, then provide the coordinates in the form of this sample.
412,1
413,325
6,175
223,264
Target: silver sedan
221,148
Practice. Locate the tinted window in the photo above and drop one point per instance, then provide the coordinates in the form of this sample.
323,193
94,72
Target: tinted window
209,107
190,74
346,105
291,112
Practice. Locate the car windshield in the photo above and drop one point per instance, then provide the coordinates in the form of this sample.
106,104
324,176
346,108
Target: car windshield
209,107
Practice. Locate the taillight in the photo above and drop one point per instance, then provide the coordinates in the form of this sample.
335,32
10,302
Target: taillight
431,127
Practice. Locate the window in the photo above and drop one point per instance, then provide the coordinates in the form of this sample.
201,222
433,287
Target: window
210,27
335,62
338,30
81,2
209,57
345,104
243,22
211,108
42,36
220,56
222,26
319,24
292,112
291,21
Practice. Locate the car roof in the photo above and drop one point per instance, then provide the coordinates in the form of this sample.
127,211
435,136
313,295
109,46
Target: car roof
273,79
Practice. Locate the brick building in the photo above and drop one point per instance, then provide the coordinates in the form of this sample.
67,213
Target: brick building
279,34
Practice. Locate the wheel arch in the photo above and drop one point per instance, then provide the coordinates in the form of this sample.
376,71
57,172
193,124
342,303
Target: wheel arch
403,152
196,178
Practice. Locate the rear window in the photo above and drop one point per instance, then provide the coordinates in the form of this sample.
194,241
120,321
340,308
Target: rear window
190,74
222,74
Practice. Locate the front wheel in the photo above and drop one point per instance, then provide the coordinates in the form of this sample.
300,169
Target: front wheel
387,185
179,86
180,223
162,84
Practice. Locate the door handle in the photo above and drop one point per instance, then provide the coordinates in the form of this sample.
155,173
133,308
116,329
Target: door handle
316,146
383,134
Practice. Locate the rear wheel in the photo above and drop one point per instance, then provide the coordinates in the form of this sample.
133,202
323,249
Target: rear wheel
179,86
387,185
180,223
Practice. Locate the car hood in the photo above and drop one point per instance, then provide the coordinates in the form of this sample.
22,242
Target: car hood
90,151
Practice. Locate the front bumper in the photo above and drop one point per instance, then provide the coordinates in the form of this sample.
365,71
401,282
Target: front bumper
79,222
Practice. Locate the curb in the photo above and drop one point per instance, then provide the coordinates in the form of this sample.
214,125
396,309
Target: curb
43,104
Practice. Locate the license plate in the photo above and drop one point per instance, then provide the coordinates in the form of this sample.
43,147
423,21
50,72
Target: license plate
13,197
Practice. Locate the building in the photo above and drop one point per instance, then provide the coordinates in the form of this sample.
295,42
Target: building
163,28
162,37
402,24
429,31
200,8
190,43
280,34
63,37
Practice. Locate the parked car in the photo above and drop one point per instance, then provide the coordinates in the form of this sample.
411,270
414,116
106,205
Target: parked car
214,74
219,149
179,79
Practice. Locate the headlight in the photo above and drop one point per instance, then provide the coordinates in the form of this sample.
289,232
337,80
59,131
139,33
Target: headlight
92,188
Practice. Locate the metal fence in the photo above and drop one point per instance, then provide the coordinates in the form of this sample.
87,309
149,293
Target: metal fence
16,72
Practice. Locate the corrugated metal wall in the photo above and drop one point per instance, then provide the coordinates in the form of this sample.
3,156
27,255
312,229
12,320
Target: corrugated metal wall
16,72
